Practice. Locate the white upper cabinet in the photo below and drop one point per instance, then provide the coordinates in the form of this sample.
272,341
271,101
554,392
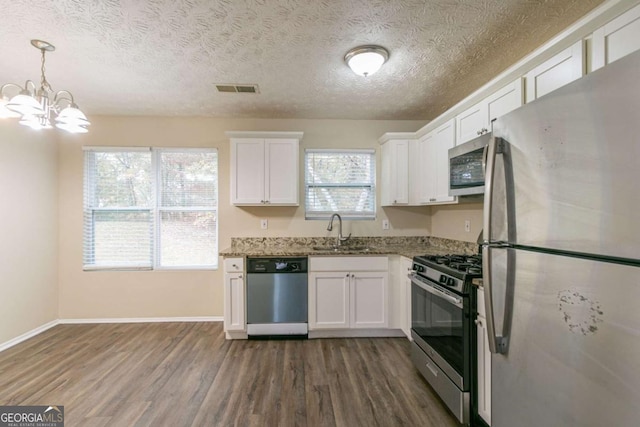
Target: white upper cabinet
472,122
504,100
265,168
556,72
616,39
395,172
433,151
477,120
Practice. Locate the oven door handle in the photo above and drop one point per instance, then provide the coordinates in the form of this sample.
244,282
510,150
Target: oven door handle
437,292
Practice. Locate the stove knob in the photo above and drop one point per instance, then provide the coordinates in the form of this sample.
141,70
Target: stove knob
450,281
443,278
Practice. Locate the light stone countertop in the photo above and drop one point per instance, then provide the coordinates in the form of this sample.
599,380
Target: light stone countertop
304,246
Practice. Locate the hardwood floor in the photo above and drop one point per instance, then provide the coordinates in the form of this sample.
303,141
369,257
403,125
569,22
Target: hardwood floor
187,374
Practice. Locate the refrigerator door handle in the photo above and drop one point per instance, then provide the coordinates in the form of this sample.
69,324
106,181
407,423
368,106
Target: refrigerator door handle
497,344
489,176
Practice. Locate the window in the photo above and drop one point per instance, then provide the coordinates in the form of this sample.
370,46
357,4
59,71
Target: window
147,208
341,181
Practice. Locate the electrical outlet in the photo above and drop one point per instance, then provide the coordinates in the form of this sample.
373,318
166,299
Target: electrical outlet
264,224
385,224
467,225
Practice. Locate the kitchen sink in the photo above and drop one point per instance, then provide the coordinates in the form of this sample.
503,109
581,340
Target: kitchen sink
340,248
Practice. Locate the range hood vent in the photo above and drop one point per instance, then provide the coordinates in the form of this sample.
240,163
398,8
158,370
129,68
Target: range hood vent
237,88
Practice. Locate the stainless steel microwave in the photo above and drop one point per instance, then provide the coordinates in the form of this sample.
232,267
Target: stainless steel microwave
466,167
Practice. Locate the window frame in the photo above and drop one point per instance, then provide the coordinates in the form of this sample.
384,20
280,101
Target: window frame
155,210
325,215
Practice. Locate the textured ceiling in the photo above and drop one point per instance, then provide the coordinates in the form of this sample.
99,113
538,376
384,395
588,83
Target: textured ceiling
164,57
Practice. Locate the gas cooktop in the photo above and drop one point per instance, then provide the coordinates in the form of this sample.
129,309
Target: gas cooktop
455,272
469,264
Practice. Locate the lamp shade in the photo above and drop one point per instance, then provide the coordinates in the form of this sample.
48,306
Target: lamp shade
366,60
72,128
26,105
72,115
6,113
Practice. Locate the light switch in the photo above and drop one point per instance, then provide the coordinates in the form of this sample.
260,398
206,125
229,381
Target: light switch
264,224
385,224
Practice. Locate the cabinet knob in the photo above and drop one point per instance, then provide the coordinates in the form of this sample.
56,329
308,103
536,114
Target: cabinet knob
432,200
240,276
479,132
478,322
395,201
261,201
234,266
347,275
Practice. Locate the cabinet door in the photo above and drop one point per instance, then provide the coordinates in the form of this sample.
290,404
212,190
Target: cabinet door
556,72
616,39
247,171
234,302
395,173
445,139
369,300
484,370
427,173
505,100
328,300
281,171
471,123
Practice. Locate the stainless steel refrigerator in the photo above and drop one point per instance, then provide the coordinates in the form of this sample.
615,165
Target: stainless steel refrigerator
561,255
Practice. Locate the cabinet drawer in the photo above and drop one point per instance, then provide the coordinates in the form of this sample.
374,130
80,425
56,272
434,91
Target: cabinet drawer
233,265
349,263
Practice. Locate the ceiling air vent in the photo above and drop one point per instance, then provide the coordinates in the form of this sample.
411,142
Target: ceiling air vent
237,88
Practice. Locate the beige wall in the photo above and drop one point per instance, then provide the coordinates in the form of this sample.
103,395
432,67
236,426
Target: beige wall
199,293
448,221
29,229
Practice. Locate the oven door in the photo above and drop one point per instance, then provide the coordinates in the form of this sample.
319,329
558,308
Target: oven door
440,323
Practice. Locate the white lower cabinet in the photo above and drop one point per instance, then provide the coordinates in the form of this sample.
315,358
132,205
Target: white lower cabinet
484,362
329,300
348,293
234,296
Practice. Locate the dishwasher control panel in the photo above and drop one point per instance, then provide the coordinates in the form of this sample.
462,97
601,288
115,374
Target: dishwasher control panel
277,265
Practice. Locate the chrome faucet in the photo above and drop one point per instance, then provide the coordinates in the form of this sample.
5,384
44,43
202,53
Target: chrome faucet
339,239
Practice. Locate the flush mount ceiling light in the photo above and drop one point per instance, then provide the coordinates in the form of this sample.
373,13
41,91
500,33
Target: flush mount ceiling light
366,60
37,107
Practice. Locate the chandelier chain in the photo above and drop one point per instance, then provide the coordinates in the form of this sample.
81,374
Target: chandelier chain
44,84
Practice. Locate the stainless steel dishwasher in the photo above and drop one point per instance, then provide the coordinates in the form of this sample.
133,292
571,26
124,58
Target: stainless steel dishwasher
277,297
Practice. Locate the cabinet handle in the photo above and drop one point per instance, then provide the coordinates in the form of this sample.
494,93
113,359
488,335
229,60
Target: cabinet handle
478,322
432,200
240,276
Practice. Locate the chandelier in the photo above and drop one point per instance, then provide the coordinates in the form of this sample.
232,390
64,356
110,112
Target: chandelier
38,108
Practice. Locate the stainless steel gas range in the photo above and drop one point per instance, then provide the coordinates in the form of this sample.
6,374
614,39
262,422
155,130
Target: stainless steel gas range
442,326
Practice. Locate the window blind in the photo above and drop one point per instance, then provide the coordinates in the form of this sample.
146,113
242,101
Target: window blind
341,181
150,208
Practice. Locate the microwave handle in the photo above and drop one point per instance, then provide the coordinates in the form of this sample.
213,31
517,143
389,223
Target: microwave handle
485,153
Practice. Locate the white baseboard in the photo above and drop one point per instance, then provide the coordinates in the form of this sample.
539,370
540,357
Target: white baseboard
142,320
32,333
